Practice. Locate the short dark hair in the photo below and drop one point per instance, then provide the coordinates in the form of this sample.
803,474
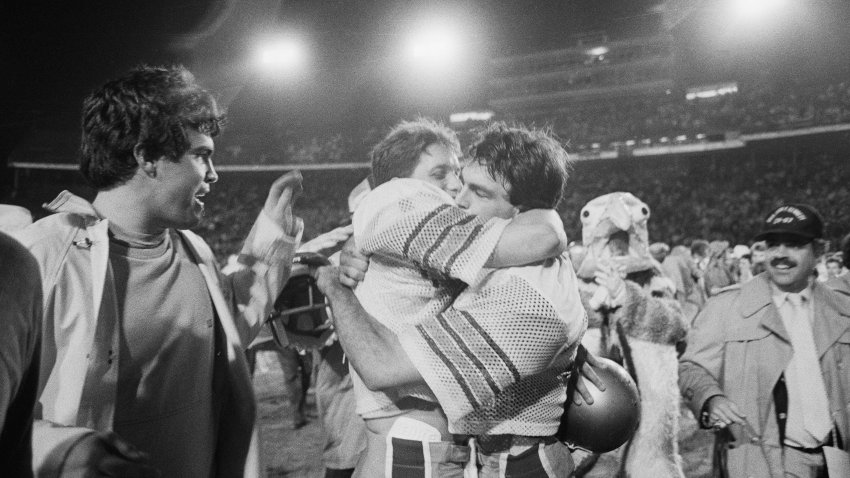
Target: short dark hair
531,162
699,248
397,155
150,107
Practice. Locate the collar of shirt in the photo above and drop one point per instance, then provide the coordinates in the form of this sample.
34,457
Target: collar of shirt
779,297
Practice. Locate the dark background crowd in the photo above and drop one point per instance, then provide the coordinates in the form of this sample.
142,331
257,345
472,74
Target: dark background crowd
707,195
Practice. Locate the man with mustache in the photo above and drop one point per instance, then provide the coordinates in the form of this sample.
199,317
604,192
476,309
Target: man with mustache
765,361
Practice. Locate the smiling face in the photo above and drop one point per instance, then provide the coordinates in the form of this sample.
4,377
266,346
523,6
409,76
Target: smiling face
439,166
177,200
790,263
482,195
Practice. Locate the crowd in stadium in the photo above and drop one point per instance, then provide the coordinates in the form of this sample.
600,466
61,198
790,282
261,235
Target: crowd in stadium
755,109
704,196
618,53
583,79
659,119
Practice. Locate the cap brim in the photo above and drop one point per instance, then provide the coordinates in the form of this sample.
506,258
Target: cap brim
765,235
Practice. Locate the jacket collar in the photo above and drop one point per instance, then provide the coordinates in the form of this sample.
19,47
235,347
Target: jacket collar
69,202
757,295
831,316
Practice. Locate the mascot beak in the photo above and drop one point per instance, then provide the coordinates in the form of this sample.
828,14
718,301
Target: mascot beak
619,216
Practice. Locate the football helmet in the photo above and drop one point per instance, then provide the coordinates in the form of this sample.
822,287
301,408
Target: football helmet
300,315
611,420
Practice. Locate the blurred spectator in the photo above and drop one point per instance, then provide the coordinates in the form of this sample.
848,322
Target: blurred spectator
841,283
659,251
679,266
20,336
833,267
758,251
14,217
700,253
745,268
718,274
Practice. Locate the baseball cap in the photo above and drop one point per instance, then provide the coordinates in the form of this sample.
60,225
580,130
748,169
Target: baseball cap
796,220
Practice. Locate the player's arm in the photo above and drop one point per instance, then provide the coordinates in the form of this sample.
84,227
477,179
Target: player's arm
267,256
530,237
412,221
369,345
447,237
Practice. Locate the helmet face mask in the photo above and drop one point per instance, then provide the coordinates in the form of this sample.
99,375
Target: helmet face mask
300,315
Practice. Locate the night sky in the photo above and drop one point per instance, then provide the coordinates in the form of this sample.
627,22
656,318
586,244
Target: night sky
55,52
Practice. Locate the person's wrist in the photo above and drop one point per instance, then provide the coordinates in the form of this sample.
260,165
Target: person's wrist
333,290
705,413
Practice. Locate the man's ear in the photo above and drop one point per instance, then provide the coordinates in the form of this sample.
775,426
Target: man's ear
145,165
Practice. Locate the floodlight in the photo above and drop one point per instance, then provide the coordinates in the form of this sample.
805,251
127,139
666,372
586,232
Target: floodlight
471,116
282,54
755,9
598,51
434,47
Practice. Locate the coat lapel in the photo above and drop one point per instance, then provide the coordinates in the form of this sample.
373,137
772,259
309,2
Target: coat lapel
829,322
97,401
755,297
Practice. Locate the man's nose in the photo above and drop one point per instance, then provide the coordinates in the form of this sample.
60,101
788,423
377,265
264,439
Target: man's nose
461,199
211,175
453,185
780,250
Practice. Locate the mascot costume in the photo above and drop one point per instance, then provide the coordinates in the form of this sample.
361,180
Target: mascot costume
633,319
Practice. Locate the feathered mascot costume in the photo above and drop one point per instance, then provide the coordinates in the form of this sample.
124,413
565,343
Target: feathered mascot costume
635,320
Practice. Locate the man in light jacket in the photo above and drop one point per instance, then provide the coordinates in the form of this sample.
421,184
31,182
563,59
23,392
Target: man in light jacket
766,361
143,370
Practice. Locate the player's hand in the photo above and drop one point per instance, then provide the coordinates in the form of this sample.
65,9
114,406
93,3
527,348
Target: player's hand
282,195
106,454
586,362
723,412
327,240
353,264
327,280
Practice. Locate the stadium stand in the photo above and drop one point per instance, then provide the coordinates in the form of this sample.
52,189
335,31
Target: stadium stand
708,195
